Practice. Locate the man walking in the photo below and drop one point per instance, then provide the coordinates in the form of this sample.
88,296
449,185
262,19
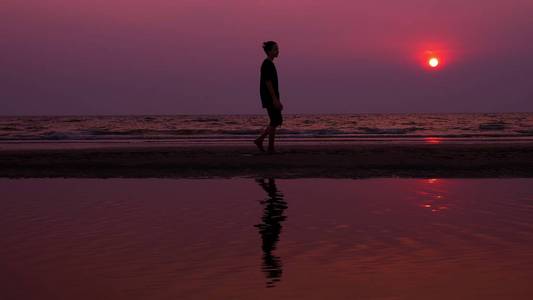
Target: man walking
270,96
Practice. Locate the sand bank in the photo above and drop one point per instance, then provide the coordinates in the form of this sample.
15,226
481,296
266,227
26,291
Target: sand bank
294,161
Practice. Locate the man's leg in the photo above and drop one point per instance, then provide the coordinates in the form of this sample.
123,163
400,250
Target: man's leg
264,134
276,120
271,138
259,141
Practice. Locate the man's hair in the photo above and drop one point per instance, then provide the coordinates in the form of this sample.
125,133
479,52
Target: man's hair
268,46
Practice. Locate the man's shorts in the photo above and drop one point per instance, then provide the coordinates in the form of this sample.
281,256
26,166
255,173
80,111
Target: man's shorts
275,116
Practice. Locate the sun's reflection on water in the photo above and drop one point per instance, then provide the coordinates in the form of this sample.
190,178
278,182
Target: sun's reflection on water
434,195
433,140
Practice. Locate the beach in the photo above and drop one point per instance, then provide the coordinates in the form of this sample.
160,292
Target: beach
187,207
241,238
318,160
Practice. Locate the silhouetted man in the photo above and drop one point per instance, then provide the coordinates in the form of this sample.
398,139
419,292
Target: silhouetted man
270,96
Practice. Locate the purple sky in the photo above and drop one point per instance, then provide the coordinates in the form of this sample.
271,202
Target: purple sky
202,57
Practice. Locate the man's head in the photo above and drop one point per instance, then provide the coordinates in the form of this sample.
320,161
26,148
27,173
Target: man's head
271,49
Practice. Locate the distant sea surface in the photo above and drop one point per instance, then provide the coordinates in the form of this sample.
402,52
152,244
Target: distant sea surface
295,128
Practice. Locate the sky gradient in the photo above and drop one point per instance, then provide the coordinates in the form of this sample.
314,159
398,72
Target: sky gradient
202,57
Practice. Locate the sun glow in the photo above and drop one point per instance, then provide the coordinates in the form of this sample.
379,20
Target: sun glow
433,57
433,62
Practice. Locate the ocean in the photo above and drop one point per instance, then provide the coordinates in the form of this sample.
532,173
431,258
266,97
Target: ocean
296,128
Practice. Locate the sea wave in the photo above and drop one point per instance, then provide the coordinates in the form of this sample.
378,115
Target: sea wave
76,136
370,130
497,125
366,126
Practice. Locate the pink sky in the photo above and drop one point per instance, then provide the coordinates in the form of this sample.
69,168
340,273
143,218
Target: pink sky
181,57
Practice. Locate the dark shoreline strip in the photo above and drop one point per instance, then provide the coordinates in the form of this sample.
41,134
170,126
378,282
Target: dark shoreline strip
295,161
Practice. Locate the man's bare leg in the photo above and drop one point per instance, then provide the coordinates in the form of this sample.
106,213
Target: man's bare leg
271,138
259,141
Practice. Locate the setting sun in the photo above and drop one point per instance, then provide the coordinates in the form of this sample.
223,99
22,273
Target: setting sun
433,62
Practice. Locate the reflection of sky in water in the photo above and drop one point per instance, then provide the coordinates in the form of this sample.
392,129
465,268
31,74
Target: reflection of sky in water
196,239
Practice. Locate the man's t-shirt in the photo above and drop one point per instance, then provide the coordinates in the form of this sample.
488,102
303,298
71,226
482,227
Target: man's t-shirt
268,72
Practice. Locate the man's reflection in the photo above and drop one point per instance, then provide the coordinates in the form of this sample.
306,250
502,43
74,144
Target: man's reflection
270,228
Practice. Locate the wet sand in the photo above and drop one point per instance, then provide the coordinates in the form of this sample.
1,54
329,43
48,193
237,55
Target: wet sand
266,239
350,160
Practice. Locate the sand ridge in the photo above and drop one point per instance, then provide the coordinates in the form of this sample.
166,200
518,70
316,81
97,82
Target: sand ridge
293,161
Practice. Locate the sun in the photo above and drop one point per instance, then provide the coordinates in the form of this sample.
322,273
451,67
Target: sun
433,62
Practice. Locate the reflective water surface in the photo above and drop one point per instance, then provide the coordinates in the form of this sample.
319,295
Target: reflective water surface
266,238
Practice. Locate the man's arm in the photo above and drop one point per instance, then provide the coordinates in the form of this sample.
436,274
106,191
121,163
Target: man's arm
275,99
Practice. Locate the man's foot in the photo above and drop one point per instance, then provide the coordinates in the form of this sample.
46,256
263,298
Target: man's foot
259,144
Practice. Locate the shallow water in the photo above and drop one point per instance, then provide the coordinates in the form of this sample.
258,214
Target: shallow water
235,128
258,239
